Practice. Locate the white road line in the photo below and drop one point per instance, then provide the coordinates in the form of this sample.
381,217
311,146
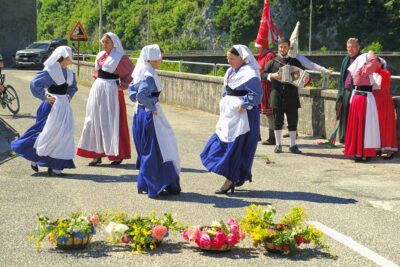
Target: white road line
366,252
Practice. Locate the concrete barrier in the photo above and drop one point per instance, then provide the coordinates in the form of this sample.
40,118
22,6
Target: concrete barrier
316,117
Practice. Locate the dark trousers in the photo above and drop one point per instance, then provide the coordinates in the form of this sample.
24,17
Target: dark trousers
292,117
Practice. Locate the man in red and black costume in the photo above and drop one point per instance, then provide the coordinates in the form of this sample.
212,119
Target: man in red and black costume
267,29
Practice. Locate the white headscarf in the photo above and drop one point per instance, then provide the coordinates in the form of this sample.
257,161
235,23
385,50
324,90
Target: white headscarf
53,67
143,67
359,62
246,72
114,57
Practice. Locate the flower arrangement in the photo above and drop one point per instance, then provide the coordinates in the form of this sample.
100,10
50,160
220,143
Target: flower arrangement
219,236
141,233
72,232
285,236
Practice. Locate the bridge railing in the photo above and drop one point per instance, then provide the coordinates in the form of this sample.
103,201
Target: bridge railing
214,68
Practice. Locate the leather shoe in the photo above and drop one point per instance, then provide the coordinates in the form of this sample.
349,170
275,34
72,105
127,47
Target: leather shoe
94,163
269,142
295,150
51,173
116,162
278,149
35,167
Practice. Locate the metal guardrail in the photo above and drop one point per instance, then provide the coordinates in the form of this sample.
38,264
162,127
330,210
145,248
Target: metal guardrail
214,67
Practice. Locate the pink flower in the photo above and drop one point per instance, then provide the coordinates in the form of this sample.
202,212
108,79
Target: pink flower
219,239
193,233
234,229
185,235
158,232
232,240
231,222
95,219
204,239
125,239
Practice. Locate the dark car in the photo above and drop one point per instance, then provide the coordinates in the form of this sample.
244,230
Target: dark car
36,53
1,61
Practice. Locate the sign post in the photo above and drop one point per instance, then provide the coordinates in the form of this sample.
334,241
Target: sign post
78,33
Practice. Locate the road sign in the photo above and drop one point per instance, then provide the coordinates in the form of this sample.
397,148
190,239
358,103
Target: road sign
78,33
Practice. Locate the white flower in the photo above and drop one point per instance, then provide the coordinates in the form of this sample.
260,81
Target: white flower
216,224
112,228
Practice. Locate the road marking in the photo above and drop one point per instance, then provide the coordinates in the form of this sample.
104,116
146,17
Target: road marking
349,242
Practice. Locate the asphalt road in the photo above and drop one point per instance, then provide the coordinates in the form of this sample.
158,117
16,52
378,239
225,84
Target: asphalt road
358,200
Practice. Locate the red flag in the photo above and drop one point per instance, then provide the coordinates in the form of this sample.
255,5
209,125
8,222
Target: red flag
267,31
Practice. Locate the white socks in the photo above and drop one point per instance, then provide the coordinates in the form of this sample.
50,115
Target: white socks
292,135
278,137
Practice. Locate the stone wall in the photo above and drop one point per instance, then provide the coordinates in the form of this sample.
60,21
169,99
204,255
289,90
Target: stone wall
316,117
17,27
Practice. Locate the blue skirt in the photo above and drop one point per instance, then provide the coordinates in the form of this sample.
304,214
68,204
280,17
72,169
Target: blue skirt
154,175
233,160
24,145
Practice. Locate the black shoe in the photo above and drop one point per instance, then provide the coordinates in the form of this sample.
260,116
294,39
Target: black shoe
269,142
389,156
238,184
141,191
94,163
51,173
225,191
259,138
278,149
362,159
172,191
35,168
286,135
295,150
116,162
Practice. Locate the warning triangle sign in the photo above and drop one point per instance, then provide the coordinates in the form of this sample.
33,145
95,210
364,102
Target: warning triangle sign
78,32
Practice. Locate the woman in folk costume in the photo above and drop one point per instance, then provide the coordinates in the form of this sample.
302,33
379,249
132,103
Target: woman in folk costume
50,141
230,151
362,132
105,132
158,160
386,110
266,30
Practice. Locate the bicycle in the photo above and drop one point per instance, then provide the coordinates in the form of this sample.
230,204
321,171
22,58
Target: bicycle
8,97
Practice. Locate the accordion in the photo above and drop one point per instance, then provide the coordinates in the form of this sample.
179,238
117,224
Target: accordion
294,75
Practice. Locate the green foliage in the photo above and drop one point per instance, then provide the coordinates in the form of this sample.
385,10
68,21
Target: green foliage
217,24
374,46
323,49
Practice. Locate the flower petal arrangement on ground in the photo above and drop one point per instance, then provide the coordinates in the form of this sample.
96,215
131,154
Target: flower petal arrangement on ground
72,232
219,236
285,236
141,233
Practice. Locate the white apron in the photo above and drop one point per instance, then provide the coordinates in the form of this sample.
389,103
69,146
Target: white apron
101,128
231,123
372,135
57,138
166,138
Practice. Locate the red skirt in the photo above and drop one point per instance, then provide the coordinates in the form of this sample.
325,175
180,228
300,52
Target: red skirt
265,108
387,120
124,145
355,130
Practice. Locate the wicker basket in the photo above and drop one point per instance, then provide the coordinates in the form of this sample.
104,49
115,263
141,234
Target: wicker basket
224,248
74,242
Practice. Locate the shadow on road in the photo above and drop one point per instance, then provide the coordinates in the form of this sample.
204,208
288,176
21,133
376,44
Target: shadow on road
222,201
303,254
92,177
235,253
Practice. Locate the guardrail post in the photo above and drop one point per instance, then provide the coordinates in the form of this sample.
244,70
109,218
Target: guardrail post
180,65
325,81
215,69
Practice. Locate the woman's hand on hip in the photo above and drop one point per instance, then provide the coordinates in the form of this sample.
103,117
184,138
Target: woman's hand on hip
50,99
241,110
